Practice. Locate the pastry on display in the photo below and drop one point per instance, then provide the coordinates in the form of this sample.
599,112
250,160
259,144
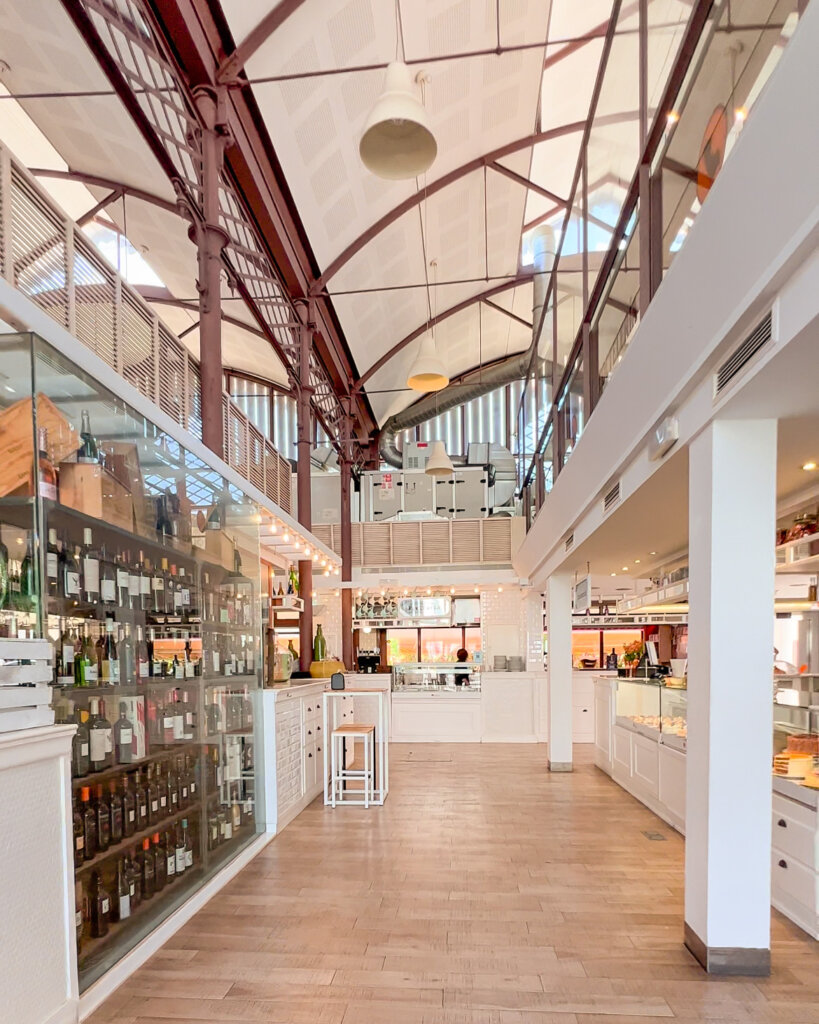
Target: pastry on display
792,765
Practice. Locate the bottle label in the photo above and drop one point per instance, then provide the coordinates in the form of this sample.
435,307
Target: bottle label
132,889
123,579
188,718
228,830
78,919
72,584
91,673
68,654
167,722
51,565
179,670
248,805
155,806
97,745
109,740
177,599
144,586
48,491
184,792
105,906
143,810
158,583
178,727
113,671
143,670
125,737
188,858
171,865
215,661
91,572
124,906
174,797
108,591
84,749
80,844
134,584
193,787
180,860
131,816
186,596
189,670
163,800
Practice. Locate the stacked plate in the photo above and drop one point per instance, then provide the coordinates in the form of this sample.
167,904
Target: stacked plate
515,664
499,663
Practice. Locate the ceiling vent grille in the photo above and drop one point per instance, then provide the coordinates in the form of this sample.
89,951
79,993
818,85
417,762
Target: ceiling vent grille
611,498
743,354
570,542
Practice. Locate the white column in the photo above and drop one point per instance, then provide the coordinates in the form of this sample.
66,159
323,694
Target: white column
732,517
559,683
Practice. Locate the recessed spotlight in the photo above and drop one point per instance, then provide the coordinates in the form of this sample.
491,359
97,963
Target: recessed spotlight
429,590
452,590
625,568
809,466
475,590
652,552
500,590
636,561
612,574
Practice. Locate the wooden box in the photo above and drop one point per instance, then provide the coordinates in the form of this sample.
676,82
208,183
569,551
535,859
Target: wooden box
17,442
92,490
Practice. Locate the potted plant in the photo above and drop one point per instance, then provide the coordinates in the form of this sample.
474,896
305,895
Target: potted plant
631,655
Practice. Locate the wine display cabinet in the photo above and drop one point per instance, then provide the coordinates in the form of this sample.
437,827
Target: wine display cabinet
141,564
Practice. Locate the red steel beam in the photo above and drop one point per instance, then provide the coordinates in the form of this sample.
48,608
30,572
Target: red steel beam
230,68
116,186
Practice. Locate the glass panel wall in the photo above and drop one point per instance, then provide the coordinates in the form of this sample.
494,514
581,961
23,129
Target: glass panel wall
141,564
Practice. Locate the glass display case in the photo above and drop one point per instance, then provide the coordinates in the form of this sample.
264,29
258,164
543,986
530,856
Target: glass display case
674,716
449,676
637,705
141,564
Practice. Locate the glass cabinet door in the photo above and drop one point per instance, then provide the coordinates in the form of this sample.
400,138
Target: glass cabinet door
141,564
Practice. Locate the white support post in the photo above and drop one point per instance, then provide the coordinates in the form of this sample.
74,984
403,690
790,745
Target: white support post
559,682
732,518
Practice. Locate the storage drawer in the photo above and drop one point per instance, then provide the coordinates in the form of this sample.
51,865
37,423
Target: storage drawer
793,879
794,832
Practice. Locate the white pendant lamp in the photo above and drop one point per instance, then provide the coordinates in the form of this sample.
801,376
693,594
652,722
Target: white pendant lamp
427,373
397,142
438,463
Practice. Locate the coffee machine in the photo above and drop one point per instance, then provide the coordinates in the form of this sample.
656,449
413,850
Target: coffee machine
368,661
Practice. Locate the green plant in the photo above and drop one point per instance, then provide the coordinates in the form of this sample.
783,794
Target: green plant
633,652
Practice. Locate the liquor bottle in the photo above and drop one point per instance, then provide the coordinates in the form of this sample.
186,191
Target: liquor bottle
185,593
108,579
116,810
99,906
176,594
122,893
89,824
170,857
103,812
52,565
99,729
122,569
187,716
46,473
161,783
178,710
147,875
79,920
28,581
182,783
236,807
153,797
293,581
188,844
90,664
64,659
142,805
213,829
99,653
80,747
13,601
79,833
127,657
158,590
123,737
145,584
132,873
88,451
172,786
109,662
179,847
160,863
169,722
129,822
141,657
70,575
90,569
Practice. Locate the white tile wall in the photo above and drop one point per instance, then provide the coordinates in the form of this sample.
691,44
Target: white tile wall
512,624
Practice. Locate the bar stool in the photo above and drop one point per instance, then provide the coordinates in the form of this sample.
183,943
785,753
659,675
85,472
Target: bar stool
339,773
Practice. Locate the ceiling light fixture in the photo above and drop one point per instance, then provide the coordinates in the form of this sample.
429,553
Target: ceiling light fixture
427,372
625,568
438,463
809,466
636,561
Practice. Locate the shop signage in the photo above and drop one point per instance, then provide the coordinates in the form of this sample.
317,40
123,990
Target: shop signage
582,595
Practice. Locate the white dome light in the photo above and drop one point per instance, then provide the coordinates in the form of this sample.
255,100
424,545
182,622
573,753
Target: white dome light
397,141
427,372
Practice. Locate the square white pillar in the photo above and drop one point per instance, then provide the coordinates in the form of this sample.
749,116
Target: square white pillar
559,675
732,519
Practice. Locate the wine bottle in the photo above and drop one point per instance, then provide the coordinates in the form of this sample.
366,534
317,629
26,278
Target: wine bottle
80,747
79,833
89,824
172,786
99,729
90,569
99,906
123,574
142,806
28,581
161,783
46,473
110,656
108,579
170,858
158,590
145,584
70,577
129,822
88,451
180,851
103,812
153,797
188,843
134,881
122,906
147,875
141,655
52,565
160,863
123,737
116,811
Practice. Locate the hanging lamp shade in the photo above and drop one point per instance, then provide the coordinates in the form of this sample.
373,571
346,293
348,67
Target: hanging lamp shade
427,373
438,463
397,141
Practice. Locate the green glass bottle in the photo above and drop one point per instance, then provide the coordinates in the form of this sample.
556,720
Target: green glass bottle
319,645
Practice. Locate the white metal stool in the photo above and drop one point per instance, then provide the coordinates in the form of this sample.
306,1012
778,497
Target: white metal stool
339,773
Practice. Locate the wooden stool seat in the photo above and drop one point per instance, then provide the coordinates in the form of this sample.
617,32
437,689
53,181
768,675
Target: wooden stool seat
354,730
339,774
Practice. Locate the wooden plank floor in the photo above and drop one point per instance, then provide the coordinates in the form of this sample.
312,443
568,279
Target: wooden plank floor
486,891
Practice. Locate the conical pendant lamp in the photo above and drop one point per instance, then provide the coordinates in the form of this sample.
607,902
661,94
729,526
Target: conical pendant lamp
438,463
427,372
397,141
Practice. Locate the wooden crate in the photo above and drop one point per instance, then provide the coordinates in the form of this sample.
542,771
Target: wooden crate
17,441
91,489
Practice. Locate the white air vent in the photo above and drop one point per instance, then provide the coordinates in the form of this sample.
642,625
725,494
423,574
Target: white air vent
570,542
743,354
611,498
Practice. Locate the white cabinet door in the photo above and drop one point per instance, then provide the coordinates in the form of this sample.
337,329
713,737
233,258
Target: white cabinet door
672,785
602,723
583,724
645,765
621,752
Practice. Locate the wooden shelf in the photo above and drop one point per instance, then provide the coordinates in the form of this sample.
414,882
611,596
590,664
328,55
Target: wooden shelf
95,778
116,850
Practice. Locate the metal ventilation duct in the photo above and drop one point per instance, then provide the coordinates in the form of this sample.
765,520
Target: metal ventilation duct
481,381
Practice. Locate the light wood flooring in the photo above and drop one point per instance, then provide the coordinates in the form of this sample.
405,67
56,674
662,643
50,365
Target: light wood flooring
485,891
